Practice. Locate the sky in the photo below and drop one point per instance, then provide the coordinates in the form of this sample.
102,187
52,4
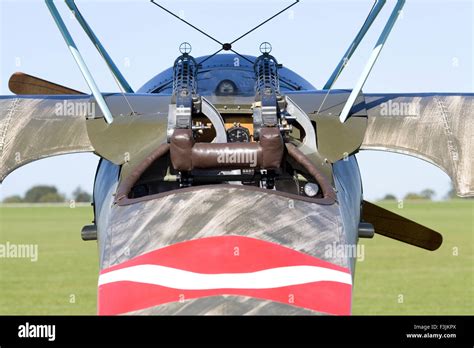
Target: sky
429,50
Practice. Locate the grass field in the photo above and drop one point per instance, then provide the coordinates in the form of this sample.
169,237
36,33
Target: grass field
394,278
64,278
425,282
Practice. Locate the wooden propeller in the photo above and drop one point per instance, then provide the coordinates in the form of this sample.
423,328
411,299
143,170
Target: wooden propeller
24,84
402,229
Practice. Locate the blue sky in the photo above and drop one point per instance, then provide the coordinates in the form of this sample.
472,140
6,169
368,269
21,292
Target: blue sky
430,50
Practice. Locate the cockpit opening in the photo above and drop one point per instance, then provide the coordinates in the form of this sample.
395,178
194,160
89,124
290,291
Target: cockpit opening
230,123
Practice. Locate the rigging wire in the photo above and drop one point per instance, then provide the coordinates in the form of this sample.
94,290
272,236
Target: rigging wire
225,46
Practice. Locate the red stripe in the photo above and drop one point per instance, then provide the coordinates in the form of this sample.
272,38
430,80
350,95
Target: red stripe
219,255
326,297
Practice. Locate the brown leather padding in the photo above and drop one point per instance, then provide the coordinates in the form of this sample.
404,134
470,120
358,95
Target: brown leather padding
186,156
300,158
272,145
227,156
181,145
126,185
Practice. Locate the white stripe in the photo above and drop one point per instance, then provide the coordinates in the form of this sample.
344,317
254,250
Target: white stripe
265,279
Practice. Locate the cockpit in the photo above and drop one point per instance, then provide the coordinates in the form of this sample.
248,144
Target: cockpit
230,122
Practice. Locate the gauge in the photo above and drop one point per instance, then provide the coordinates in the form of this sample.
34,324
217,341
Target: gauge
226,87
311,189
238,134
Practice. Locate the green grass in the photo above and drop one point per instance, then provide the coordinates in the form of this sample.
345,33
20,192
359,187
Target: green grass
64,278
431,282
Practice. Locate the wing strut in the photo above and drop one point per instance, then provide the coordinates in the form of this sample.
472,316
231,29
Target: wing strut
90,33
372,59
374,12
80,61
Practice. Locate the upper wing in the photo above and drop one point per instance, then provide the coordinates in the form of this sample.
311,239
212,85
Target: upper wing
435,127
32,128
39,126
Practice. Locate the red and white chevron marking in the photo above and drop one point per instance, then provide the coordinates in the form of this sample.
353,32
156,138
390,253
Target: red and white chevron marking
225,265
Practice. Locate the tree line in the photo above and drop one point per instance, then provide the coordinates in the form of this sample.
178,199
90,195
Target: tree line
48,194
426,194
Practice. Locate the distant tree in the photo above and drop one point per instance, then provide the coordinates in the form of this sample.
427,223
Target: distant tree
412,195
52,198
79,195
43,193
389,197
13,199
427,194
451,193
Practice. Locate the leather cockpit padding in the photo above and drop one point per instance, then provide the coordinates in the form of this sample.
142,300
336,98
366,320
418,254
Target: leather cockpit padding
126,185
186,155
272,145
227,156
322,201
298,156
181,145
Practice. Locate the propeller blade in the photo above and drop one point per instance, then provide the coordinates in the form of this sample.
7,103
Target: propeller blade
24,84
402,229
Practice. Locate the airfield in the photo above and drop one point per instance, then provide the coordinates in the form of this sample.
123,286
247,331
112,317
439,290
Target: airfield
393,278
